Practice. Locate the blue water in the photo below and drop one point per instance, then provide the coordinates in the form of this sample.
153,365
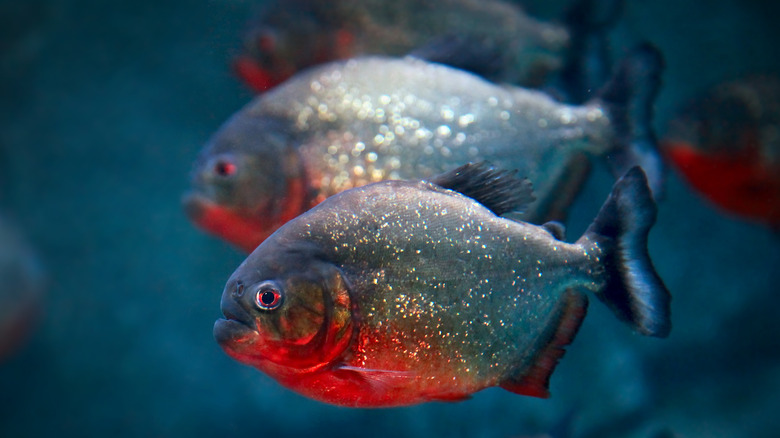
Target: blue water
104,107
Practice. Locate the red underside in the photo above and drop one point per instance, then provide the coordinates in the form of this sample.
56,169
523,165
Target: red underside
338,45
256,77
739,183
248,231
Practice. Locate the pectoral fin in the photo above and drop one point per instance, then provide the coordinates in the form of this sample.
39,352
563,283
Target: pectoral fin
378,380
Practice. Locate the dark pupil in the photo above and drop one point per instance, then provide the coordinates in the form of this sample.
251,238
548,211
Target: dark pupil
268,298
225,168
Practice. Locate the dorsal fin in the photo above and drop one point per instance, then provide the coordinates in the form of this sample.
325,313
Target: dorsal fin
501,191
557,229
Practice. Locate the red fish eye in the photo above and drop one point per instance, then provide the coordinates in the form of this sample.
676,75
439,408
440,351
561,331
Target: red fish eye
225,168
269,296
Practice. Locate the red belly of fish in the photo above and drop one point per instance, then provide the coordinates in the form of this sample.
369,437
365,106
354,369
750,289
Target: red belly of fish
739,184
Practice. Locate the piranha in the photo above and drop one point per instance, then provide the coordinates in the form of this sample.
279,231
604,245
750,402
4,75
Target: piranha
402,292
350,123
21,286
491,37
726,143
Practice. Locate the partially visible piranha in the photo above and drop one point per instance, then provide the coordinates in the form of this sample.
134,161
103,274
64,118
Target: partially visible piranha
21,286
403,292
493,37
350,123
726,143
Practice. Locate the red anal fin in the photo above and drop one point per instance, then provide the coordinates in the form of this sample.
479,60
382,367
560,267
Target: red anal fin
534,380
450,398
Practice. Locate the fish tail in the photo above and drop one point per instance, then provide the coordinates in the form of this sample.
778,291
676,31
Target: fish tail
633,290
587,67
628,98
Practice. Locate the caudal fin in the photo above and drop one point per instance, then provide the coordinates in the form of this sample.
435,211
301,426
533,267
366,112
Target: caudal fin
634,291
628,98
588,65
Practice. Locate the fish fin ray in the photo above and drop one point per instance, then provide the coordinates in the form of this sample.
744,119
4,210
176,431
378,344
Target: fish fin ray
379,380
534,380
628,98
501,191
634,291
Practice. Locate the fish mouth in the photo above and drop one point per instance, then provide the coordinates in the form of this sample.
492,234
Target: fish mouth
237,325
229,332
196,205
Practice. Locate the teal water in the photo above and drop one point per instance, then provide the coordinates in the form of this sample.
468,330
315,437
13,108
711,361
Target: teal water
106,104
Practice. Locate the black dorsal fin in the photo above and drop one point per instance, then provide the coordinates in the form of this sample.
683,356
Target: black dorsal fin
501,191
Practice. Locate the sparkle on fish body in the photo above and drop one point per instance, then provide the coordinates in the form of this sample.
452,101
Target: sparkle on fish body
415,304
382,128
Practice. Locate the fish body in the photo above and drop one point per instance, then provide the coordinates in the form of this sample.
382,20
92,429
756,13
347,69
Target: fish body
726,143
402,292
292,35
350,123
21,286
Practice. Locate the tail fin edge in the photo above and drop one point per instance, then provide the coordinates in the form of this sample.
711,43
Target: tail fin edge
633,291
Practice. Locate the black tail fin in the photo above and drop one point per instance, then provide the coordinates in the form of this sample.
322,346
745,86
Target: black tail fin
589,63
628,98
634,291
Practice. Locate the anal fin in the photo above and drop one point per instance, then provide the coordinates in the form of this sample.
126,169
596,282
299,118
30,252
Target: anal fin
534,380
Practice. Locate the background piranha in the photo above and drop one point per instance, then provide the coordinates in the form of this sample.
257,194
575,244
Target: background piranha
726,143
402,292
104,107
350,123
21,285
288,36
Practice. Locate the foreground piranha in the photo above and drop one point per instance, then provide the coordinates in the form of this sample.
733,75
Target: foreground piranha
350,123
403,292
291,35
726,143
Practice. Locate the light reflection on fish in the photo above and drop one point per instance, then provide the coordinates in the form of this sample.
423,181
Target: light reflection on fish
403,292
351,123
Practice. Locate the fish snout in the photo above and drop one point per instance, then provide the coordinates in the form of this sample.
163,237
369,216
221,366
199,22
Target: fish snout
238,326
234,304
194,205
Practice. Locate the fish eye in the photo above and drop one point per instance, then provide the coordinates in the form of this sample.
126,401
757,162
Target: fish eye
267,42
225,168
269,296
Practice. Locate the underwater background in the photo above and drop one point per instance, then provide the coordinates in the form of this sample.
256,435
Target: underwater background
104,107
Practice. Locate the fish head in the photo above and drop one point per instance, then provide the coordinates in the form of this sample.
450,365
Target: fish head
246,182
266,60
285,309
283,43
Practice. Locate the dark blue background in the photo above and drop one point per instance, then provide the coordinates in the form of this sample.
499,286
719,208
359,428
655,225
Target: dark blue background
104,107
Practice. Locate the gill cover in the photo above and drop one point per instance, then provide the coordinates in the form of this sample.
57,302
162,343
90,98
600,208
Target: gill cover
312,325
